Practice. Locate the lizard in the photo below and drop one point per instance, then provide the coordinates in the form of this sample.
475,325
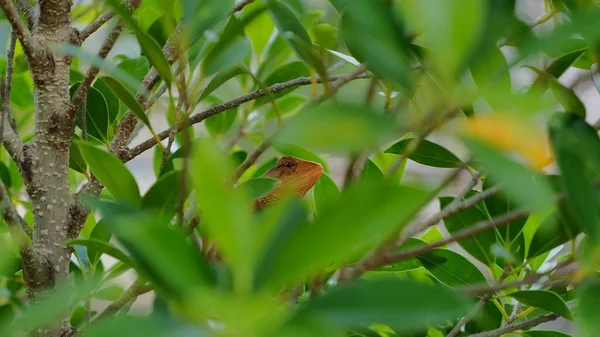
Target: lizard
296,176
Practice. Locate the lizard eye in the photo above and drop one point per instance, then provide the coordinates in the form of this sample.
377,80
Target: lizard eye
288,164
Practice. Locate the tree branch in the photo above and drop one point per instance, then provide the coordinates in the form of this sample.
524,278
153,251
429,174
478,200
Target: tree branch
199,117
30,46
131,5
10,56
108,44
480,227
240,5
138,288
25,7
520,326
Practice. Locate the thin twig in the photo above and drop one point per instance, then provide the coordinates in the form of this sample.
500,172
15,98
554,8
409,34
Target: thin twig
514,315
136,289
131,5
84,118
478,228
201,116
524,325
29,44
252,158
240,5
108,44
10,56
378,256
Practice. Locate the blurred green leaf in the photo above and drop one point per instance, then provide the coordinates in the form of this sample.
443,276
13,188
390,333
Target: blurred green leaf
259,30
588,310
76,161
451,268
478,245
154,247
522,185
337,128
258,187
264,167
450,30
97,113
576,145
151,49
141,326
224,57
554,230
112,173
362,303
110,293
100,233
219,79
427,153
102,247
325,192
374,21
161,198
200,16
137,68
555,69
565,96
225,210
364,214
543,299
220,123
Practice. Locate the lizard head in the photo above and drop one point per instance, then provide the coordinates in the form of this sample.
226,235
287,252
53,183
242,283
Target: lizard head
296,176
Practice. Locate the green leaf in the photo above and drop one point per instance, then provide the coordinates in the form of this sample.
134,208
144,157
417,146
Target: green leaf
364,214
478,245
337,128
258,187
325,193
427,153
263,168
543,299
363,303
136,67
151,49
112,102
200,16
287,105
451,29
259,30
102,247
154,247
555,69
125,97
220,123
219,79
100,233
374,21
522,185
565,96
498,205
568,133
112,173
97,113
232,231
142,326
588,310
110,293
554,230
371,171
161,198
233,53
451,268
5,175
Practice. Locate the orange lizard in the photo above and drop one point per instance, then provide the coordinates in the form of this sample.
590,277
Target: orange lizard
297,176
